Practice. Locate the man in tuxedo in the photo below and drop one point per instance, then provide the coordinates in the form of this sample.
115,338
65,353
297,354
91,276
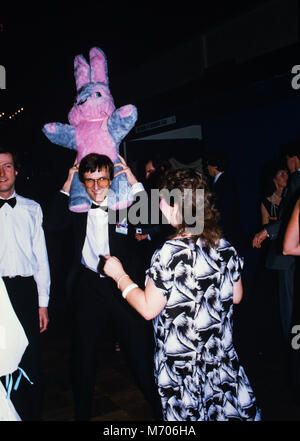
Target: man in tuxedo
25,271
226,197
98,307
275,231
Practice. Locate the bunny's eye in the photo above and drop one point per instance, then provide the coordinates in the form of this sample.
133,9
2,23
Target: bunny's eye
98,94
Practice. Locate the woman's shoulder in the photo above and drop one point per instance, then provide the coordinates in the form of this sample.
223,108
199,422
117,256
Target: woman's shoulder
172,248
224,245
266,202
178,245
222,254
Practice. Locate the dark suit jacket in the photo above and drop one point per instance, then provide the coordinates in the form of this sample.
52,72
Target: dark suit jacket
60,218
227,202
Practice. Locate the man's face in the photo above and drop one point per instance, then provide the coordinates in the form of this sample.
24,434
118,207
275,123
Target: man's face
97,184
291,162
149,169
8,175
212,170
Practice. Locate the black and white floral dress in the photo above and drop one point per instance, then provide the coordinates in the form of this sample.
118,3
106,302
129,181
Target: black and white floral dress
197,369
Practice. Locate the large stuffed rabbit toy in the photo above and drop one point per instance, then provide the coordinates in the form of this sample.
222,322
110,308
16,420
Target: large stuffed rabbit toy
95,127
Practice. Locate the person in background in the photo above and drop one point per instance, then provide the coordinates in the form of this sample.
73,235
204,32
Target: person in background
149,169
24,269
275,232
192,283
291,247
274,177
291,244
278,178
155,166
150,236
227,202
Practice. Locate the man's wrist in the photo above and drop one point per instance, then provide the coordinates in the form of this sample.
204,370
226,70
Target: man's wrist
64,192
137,187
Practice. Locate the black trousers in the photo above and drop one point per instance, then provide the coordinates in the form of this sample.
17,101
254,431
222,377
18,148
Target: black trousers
99,311
23,295
286,297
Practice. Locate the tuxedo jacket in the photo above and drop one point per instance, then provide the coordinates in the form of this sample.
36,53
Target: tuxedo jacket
59,218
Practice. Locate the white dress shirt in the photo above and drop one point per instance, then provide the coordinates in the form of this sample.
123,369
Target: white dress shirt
22,245
96,240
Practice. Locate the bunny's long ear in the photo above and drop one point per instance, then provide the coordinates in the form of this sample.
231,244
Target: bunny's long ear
81,71
98,66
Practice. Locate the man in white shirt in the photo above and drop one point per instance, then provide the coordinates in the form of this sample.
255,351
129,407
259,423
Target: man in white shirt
99,310
25,271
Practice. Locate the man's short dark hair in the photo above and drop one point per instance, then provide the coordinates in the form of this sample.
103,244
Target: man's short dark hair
4,149
93,162
217,159
291,149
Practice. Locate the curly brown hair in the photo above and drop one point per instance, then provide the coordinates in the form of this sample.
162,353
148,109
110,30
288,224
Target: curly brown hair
187,181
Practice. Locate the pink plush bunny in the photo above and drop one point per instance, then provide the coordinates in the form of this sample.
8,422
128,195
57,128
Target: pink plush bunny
95,127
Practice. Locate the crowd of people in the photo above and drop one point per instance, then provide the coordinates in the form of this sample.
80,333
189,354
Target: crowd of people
275,229
164,290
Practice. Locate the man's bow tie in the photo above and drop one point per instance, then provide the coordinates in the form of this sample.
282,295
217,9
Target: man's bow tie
104,208
12,202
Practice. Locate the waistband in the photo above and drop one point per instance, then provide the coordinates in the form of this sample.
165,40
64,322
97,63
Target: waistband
15,277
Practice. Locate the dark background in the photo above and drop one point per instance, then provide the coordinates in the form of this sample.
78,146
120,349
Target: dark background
224,67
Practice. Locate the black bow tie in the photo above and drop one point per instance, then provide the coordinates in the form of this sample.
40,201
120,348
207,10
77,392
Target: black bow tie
12,202
104,208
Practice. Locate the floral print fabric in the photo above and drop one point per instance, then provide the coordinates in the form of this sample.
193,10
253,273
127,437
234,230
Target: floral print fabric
196,367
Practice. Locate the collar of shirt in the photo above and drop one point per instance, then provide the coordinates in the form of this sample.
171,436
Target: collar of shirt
96,239
217,177
102,205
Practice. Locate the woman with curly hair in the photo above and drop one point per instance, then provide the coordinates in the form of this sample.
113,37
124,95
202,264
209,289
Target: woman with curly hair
191,286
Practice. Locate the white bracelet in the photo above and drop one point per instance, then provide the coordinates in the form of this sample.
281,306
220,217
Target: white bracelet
128,289
119,280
